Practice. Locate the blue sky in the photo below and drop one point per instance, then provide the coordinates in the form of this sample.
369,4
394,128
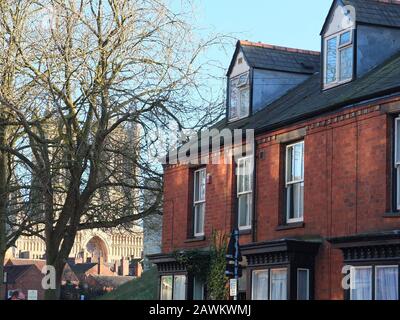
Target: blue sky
287,23
284,22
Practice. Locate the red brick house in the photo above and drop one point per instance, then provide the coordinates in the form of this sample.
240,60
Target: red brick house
26,279
323,198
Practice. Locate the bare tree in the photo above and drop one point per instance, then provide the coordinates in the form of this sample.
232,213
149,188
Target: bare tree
15,208
98,77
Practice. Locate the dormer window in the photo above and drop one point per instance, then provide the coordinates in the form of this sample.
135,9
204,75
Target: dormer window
239,97
339,53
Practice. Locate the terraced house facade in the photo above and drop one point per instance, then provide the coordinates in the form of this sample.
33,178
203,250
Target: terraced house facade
322,201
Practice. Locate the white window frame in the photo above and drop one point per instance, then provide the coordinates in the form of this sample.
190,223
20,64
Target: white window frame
172,287
252,282
352,269
376,278
397,161
308,282
199,202
174,298
241,87
339,48
293,182
248,193
270,281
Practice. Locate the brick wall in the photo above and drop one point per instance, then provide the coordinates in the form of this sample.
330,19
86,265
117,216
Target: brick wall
31,279
347,189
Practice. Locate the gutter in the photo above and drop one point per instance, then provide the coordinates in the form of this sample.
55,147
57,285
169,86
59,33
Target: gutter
394,92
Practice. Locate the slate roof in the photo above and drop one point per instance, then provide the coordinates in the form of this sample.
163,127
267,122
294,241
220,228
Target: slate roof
81,268
18,262
307,99
14,272
111,281
376,12
372,12
264,56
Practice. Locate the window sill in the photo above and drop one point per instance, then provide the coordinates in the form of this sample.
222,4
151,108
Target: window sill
391,215
196,239
289,226
245,231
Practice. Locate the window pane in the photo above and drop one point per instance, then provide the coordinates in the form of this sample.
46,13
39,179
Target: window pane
179,287
196,186
387,283
295,162
278,284
397,133
361,284
243,80
298,162
398,188
198,289
199,218
303,284
260,285
244,102
234,100
345,38
247,179
245,202
202,185
346,63
295,201
166,288
240,177
289,162
331,59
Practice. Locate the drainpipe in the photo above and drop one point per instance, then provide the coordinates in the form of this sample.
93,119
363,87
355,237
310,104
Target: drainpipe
254,215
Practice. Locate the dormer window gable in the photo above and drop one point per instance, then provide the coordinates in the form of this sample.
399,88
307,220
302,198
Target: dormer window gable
261,73
239,88
339,46
338,58
239,96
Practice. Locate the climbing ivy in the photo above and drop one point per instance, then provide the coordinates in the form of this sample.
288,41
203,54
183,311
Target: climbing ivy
208,266
197,262
217,281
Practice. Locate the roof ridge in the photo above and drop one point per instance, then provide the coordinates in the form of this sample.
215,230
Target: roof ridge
280,48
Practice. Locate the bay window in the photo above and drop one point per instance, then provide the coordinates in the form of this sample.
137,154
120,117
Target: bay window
270,284
199,201
179,292
173,287
245,192
260,285
166,287
303,284
387,283
361,283
239,97
339,53
384,278
295,182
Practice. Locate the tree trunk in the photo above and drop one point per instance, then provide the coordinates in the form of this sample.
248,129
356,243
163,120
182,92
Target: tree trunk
3,205
55,293
57,257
